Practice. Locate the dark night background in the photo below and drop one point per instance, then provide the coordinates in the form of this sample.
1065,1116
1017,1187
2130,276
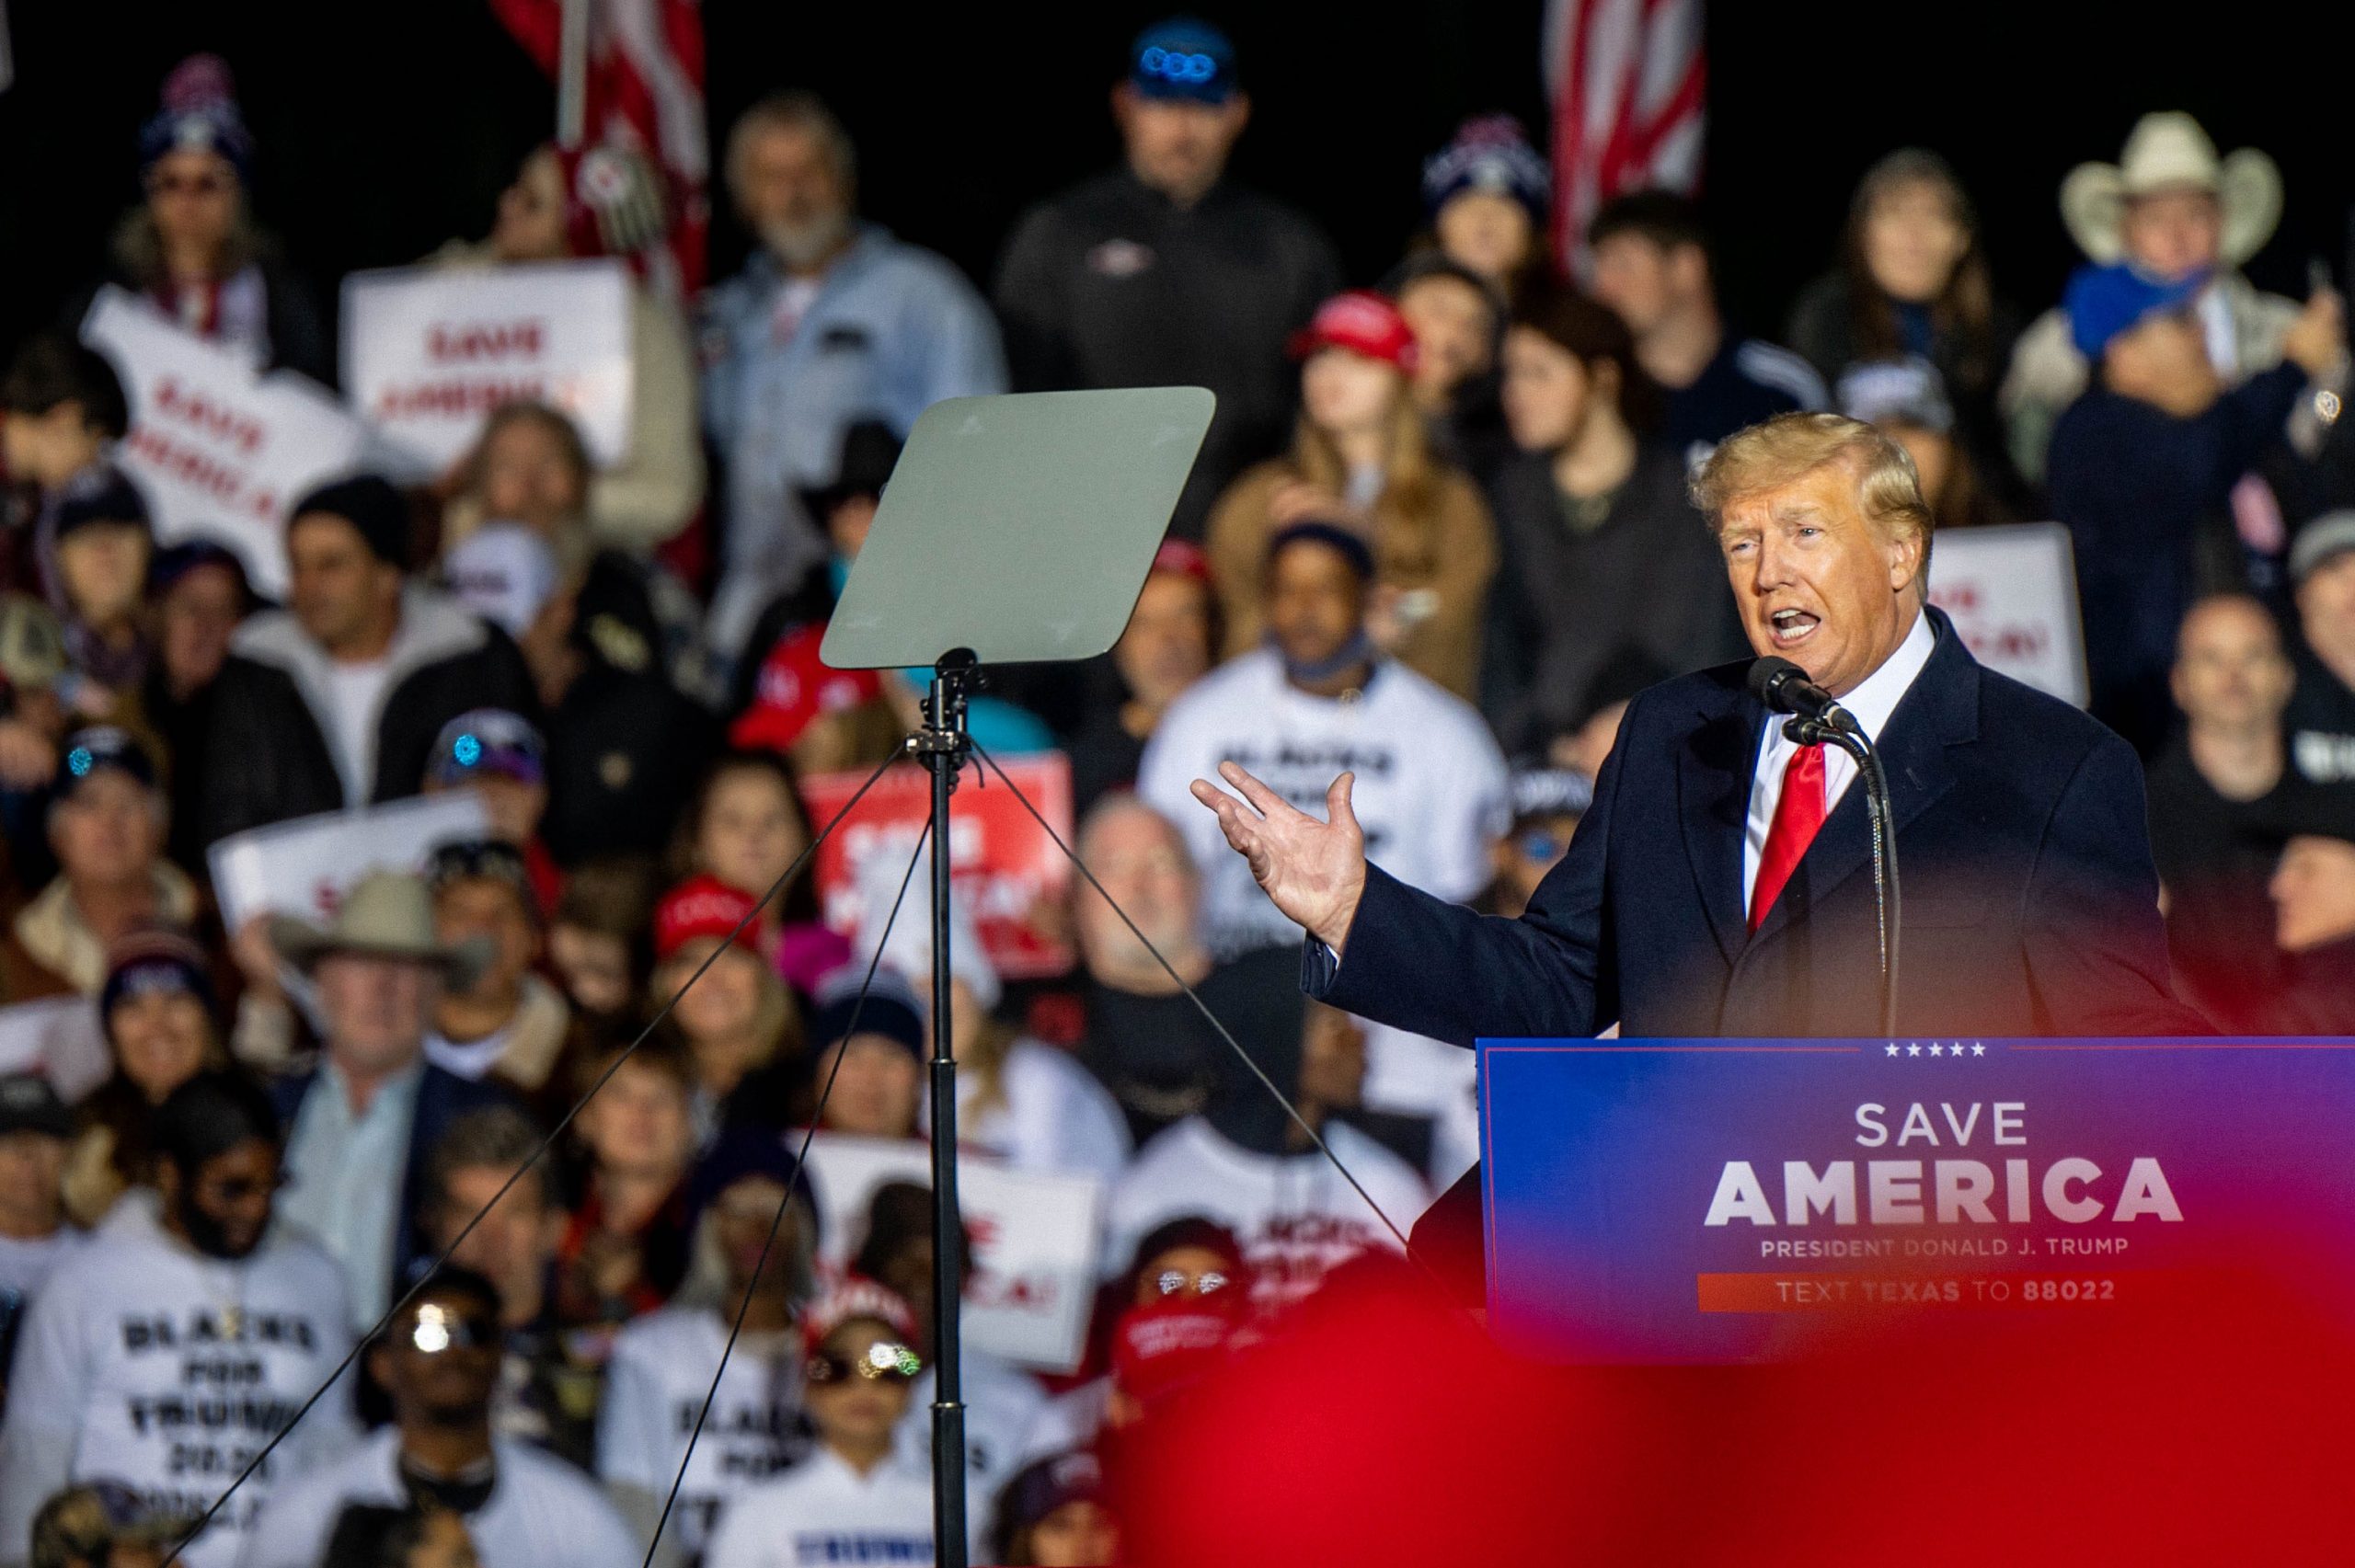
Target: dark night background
386,129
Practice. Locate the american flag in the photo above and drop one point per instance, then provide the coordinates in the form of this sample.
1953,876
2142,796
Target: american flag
1627,79
645,89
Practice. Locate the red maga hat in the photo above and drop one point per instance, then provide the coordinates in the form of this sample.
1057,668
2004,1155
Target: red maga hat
1362,322
703,905
796,688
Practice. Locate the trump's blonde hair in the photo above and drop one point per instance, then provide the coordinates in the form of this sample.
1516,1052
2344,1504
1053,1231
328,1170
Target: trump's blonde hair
1789,447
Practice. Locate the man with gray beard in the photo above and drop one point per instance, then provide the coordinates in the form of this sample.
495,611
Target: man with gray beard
1144,1038
832,320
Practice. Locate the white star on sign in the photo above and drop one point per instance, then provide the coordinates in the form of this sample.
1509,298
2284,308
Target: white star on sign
1937,1050
1979,1050
1913,1050
1892,1050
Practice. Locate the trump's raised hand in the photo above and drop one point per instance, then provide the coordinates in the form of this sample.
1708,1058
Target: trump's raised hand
1314,872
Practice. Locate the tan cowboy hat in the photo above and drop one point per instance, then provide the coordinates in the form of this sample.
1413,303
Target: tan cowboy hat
2170,151
386,914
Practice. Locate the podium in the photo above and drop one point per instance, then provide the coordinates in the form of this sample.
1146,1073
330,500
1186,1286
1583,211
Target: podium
1727,1201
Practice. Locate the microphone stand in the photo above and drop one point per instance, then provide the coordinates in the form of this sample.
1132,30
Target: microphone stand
1886,900
942,745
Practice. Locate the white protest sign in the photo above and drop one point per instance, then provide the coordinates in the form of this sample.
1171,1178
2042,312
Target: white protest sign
1035,1240
57,1037
220,450
430,351
304,867
2012,593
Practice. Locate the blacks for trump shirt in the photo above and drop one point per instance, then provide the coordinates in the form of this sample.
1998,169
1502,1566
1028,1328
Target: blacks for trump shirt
1429,791
148,1362
654,1386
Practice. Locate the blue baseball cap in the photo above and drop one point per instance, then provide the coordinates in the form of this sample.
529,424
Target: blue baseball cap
1183,59
2103,301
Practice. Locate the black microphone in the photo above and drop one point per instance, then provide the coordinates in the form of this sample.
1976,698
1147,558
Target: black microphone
1785,688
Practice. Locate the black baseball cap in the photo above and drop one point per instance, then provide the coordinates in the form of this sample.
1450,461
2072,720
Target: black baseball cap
28,1103
100,495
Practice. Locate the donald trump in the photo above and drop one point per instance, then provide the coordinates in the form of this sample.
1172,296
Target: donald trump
1721,883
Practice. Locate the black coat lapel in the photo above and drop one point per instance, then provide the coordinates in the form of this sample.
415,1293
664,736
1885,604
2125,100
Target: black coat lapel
1713,799
1940,709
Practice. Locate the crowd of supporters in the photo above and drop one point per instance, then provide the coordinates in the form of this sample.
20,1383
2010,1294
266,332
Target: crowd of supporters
1439,534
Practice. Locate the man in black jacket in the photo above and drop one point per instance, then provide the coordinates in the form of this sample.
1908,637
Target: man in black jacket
1163,274
335,700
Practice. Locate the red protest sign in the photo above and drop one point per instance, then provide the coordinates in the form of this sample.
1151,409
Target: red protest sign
1007,871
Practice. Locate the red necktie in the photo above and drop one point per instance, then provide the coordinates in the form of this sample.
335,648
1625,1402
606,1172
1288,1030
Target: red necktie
1798,814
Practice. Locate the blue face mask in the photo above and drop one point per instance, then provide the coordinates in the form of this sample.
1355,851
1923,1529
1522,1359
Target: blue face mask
1357,650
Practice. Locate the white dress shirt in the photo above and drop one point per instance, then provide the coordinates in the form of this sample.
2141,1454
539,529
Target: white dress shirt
1874,698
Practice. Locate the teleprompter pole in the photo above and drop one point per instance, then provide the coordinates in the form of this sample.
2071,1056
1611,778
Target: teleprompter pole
943,745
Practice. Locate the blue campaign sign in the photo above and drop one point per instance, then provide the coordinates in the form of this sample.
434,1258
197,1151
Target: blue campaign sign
1738,1200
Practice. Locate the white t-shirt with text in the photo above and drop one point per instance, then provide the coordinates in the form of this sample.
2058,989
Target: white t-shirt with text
654,1385
541,1511
146,1362
1052,1117
1432,794
1002,1404
822,1512
1295,1215
1431,791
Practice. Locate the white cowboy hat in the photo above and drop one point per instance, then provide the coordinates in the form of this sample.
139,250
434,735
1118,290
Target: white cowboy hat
386,914
2170,151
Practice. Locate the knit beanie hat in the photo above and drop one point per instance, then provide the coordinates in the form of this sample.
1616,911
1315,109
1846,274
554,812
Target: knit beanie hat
146,962
1491,152
200,110
370,505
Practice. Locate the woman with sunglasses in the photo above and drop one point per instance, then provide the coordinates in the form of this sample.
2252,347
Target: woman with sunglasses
1185,1260
852,1500
190,249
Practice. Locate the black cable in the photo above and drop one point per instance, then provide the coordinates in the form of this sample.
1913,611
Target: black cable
1199,1005
1882,823
205,1519
1889,895
800,1160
